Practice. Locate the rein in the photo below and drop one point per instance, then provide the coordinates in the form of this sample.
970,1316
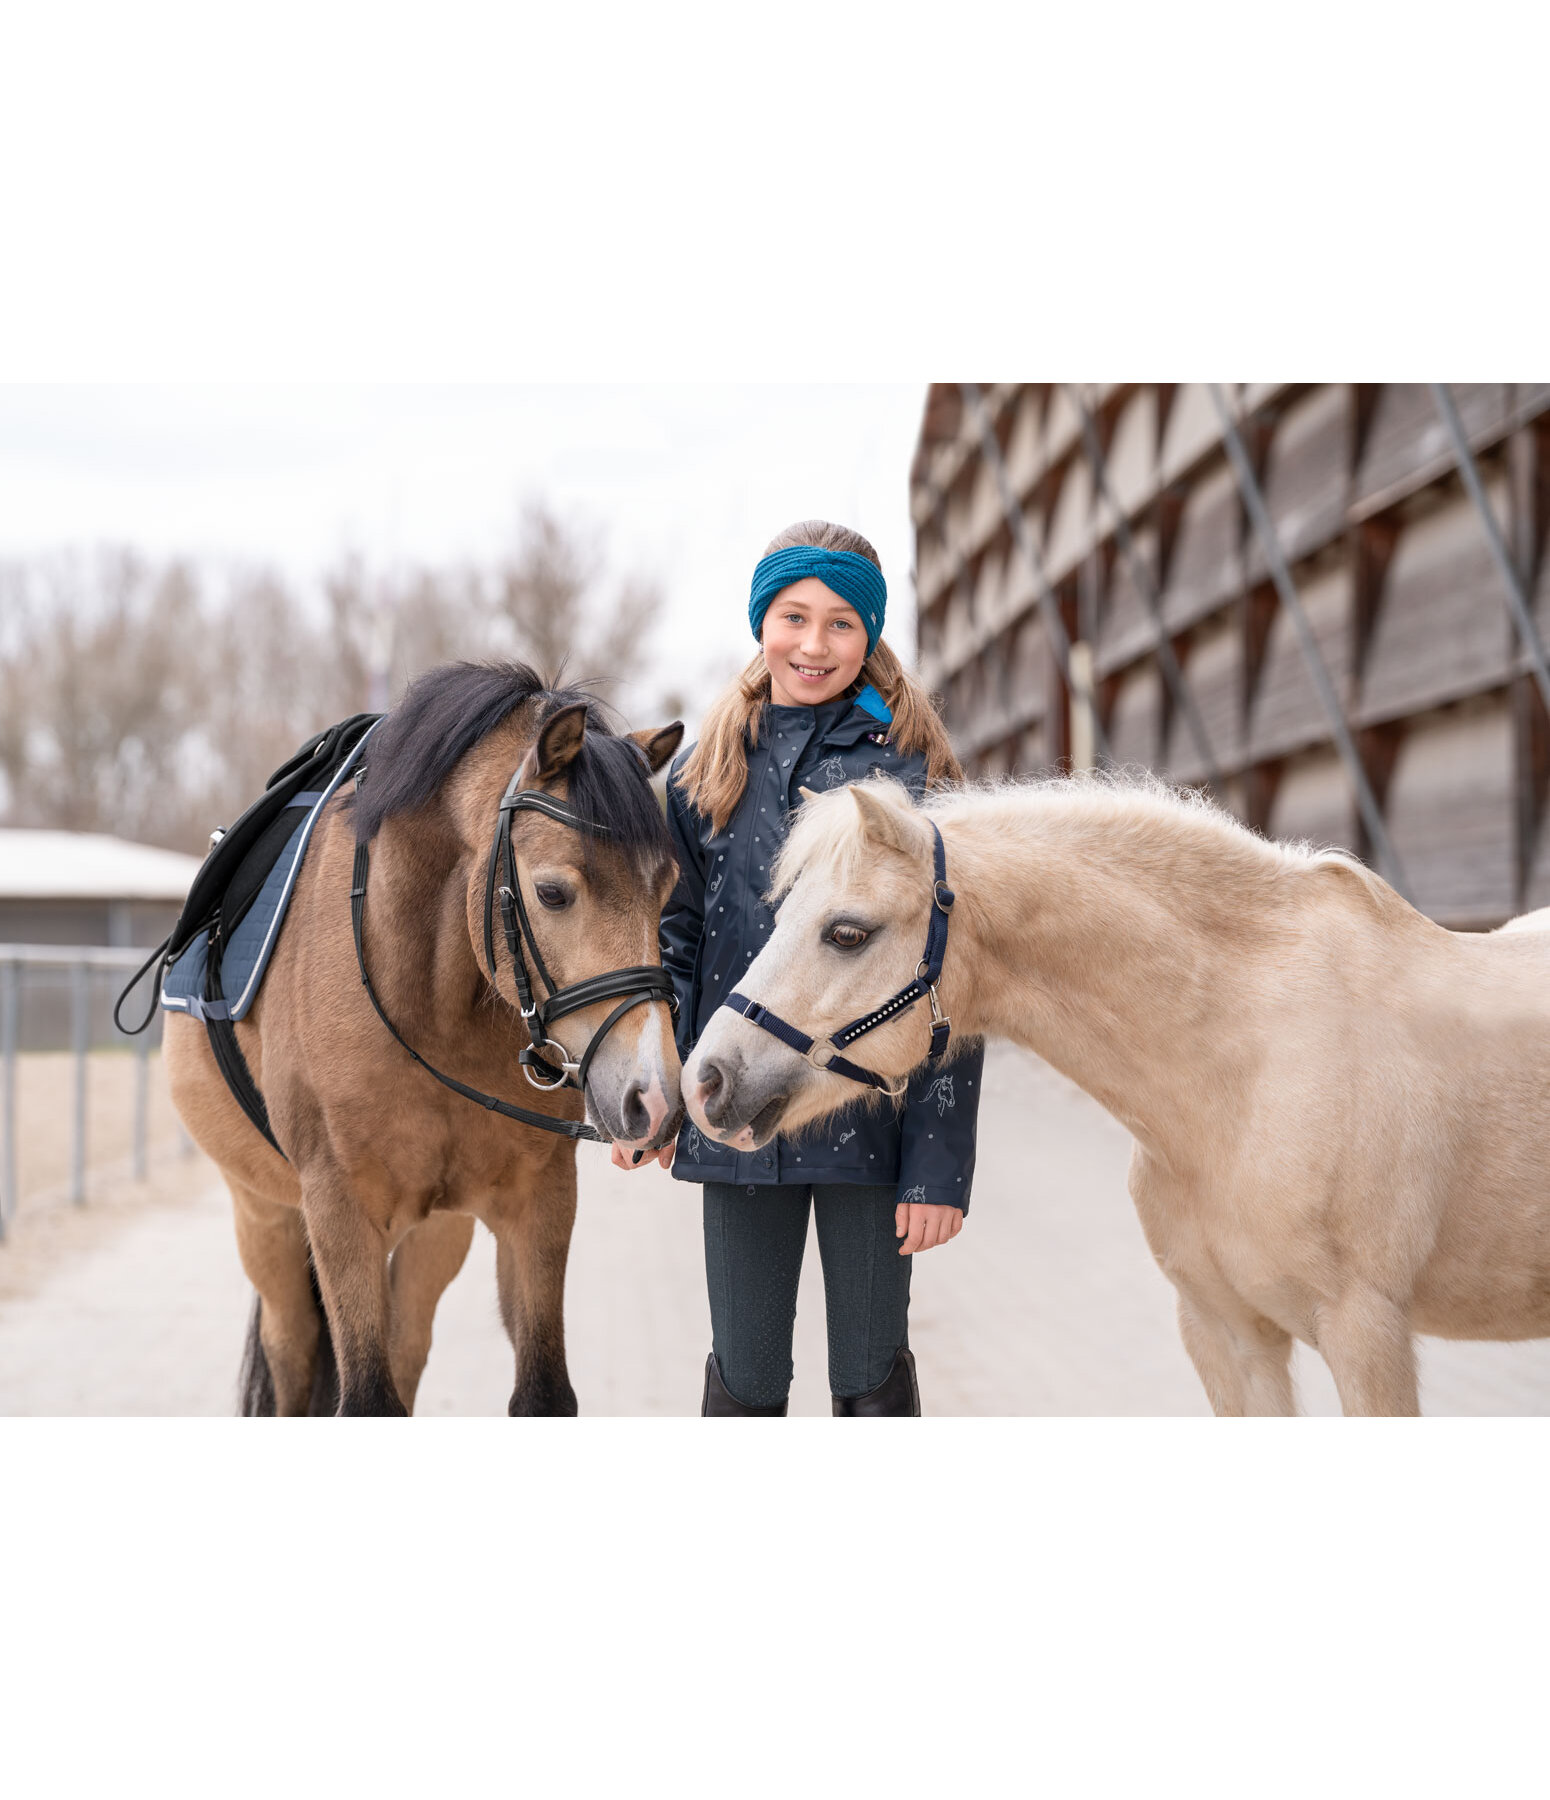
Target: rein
638,985
824,1053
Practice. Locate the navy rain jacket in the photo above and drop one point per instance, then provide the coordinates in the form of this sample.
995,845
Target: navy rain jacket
717,920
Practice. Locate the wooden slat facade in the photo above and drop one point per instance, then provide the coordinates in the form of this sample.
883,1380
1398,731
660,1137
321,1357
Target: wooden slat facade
1391,564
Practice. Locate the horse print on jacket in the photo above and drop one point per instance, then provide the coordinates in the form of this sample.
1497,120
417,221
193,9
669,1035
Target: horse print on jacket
941,1090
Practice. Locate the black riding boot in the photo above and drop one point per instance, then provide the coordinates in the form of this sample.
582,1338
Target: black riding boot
719,1404
895,1396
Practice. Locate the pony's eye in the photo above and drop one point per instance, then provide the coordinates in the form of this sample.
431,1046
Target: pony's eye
847,937
552,895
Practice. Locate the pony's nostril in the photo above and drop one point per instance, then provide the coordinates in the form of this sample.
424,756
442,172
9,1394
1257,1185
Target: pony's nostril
635,1116
713,1092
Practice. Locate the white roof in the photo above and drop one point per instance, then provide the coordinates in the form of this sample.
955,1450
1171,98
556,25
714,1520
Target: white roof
81,865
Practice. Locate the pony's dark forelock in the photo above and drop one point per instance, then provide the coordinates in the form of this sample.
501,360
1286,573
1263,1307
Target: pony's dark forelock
448,710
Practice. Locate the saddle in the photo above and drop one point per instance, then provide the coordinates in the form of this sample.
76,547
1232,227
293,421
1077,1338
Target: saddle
212,964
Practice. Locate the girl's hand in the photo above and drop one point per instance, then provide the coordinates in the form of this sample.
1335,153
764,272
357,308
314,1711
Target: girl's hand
642,1159
924,1227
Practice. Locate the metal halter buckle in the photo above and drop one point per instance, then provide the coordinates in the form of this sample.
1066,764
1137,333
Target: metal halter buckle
822,1053
938,1017
567,1067
938,889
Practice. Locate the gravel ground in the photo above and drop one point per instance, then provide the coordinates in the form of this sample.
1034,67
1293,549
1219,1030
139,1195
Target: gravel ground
1047,1303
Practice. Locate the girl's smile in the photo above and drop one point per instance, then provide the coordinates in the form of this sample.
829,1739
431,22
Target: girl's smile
814,644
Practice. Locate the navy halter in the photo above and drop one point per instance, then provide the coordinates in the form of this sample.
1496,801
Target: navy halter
824,1053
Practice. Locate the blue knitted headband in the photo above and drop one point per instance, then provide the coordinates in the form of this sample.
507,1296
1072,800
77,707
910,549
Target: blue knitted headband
856,579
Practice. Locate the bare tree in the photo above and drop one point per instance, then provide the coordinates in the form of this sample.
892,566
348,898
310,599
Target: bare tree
550,596
152,702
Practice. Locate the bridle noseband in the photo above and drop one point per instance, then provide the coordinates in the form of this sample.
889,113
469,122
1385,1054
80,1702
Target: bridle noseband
637,985
824,1053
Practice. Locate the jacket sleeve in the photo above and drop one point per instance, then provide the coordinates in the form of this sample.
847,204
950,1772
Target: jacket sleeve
938,1129
683,918
938,1126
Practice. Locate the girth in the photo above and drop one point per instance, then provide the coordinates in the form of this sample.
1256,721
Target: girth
824,1053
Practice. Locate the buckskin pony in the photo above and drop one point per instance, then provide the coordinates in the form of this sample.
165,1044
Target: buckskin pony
1339,1108
352,1228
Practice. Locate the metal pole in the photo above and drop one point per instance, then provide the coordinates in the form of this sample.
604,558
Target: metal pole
79,994
10,1007
1054,625
1253,501
1184,699
142,1098
1517,601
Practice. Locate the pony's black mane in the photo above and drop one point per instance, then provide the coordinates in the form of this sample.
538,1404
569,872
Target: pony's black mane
448,710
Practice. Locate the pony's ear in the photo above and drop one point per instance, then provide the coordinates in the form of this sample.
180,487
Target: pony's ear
659,745
806,792
892,827
558,744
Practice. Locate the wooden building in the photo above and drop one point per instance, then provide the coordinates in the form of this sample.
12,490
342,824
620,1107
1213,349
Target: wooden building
1286,593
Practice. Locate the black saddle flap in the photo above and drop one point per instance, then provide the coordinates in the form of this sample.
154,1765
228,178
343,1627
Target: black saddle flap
234,863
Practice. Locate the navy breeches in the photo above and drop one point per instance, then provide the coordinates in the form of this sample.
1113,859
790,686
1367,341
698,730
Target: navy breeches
754,1239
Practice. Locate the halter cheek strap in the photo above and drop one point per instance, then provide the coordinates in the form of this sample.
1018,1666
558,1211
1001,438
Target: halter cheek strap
824,1053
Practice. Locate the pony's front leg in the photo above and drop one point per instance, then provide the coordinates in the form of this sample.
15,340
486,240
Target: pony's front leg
532,1244
423,1265
1366,1340
1243,1359
350,1254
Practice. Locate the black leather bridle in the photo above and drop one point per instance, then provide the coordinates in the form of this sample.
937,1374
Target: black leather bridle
824,1053
646,982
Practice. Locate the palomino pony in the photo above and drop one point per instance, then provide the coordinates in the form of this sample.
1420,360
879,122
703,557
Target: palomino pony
385,1169
1339,1108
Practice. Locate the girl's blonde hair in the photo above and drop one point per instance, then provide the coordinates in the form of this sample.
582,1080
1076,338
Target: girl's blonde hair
716,773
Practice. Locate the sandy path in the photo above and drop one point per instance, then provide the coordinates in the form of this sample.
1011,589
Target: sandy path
1048,1303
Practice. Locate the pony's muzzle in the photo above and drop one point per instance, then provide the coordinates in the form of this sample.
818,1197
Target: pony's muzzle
730,1104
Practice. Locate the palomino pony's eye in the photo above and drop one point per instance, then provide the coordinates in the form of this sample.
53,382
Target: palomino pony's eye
552,895
846,937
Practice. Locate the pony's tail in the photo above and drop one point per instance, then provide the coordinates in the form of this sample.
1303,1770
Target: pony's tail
255,1384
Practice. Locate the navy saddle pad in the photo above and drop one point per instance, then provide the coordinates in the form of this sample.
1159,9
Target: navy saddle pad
255,882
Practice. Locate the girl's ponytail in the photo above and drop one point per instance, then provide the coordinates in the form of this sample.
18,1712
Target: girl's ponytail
716,772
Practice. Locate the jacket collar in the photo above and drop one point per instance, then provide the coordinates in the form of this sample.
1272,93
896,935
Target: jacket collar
864,716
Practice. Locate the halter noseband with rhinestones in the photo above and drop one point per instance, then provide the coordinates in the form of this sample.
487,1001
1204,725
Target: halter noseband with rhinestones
824,1053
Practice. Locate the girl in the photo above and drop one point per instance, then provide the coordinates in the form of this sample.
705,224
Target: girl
825,701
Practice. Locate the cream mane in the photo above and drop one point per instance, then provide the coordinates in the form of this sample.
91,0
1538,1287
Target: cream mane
1131,811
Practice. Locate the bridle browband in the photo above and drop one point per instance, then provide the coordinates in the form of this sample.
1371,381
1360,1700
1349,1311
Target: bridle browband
824,1053
646,982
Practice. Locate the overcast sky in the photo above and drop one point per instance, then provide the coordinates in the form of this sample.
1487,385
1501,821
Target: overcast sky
688,482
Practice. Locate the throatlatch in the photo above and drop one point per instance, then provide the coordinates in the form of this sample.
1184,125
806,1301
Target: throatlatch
824,1053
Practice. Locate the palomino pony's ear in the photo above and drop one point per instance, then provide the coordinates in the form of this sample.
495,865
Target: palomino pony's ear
892,826
559,743
659,745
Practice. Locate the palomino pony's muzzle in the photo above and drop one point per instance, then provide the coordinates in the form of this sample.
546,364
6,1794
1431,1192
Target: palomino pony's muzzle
824,1053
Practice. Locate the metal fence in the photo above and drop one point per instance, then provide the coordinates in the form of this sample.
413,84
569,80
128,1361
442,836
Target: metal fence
56,997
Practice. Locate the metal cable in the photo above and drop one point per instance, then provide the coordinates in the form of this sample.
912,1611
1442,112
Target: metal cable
1254,503
1167,659
1517,601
